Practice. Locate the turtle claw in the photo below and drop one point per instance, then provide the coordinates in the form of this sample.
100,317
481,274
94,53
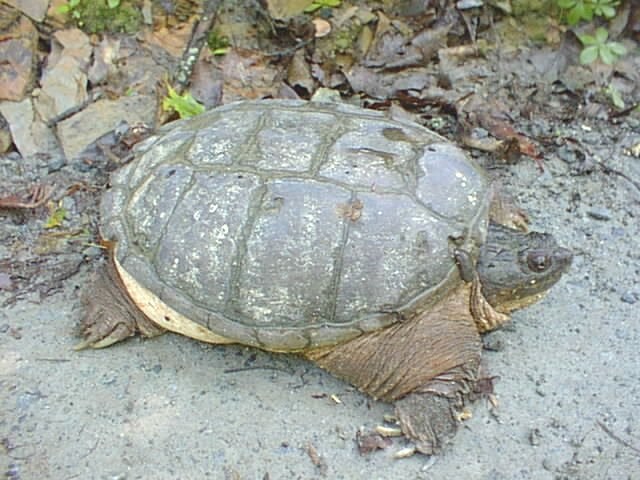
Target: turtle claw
96,338
103,334
83,345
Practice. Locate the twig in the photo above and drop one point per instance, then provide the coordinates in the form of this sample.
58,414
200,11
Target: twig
617,438
246,369
608,169
38,195
198,39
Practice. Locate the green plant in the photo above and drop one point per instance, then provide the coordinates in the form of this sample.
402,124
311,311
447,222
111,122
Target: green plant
596,46
318,4
185,105
70,8
97,16
585,9
615,97
57,214
218,43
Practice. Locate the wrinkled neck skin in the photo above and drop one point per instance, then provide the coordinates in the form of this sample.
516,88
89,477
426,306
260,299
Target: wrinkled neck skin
517,268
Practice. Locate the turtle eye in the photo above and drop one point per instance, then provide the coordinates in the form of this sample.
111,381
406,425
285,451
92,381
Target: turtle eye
538,261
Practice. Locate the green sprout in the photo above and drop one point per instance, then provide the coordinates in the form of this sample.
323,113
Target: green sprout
597,46
318,4
218,43
585,9
70,8
185,105
97,16
615,97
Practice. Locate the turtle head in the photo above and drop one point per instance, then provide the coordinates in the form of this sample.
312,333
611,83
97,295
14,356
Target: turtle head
517,268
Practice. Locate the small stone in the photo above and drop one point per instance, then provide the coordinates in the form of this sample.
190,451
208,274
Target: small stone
629,297
566,154
82,166
618,232
69,204
56,163
92,252
5,281
534,437
599,213
493,343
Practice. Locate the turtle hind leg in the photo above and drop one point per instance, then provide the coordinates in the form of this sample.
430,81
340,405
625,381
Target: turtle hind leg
109,315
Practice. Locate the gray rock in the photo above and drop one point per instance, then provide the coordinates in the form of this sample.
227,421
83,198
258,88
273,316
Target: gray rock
599,213
101,117
56,163
629,297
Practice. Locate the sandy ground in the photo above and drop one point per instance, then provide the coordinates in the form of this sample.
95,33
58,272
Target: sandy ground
172,408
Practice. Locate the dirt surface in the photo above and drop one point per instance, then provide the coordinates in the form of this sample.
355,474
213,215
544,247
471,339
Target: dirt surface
568,368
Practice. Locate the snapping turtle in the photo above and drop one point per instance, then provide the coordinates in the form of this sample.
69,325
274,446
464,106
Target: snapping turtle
362,243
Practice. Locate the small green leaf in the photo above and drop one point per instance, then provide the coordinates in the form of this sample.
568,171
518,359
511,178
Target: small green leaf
588,39
220,51
606,55
587,13
573,16
615,97
589,55
617,48
56,218
185,104
607,11
601,35
312,8
566,4
318,4
113,3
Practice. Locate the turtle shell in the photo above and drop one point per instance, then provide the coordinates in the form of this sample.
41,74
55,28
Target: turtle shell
288,225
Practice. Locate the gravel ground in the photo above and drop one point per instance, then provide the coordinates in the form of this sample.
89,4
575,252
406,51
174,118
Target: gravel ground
173,408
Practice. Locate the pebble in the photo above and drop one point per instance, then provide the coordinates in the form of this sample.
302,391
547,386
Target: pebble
69,204
92,252
629,297
82,166
56,163
493,343
566,154
600,213
535,437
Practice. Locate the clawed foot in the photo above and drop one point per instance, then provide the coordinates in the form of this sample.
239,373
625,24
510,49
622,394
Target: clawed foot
429,420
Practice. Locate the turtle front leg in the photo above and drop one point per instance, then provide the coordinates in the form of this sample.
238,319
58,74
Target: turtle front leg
109,315
430,416
426,366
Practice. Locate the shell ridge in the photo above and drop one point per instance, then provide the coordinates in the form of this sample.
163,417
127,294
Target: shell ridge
338,264
250,146
154,251
240,253
321,156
